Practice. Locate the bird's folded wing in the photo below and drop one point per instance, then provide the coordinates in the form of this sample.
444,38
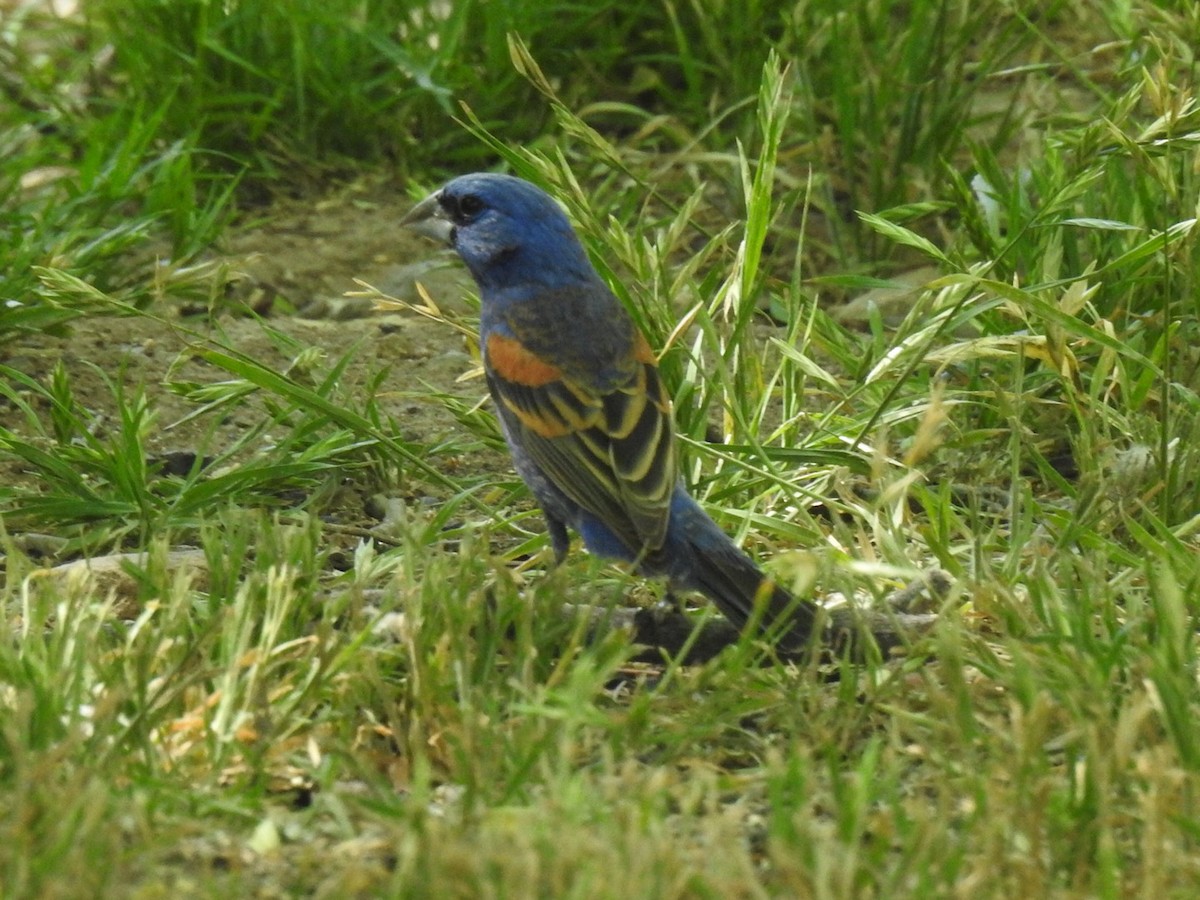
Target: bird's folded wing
611,451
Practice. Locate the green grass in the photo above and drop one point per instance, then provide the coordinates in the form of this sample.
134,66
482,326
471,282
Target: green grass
305,712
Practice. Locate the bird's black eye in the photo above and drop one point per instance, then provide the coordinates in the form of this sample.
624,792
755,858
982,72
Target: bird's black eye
470,206
462,209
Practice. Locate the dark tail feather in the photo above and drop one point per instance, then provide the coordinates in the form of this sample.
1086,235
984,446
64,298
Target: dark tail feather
731,580
699,556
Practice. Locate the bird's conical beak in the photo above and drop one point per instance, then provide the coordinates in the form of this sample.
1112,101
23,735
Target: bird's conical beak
428,218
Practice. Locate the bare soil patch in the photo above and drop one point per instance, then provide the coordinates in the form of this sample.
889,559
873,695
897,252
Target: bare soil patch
288,272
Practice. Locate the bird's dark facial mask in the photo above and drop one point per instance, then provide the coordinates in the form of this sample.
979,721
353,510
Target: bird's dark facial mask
441,214
461,210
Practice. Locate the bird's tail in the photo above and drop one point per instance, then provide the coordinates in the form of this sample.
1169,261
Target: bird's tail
731,580
701,557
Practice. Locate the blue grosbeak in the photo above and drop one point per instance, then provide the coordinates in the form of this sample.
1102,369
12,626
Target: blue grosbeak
581,403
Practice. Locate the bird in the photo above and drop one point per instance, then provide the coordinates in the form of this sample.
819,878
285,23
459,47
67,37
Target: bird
582,406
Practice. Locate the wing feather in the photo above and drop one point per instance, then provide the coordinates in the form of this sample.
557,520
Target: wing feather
611,451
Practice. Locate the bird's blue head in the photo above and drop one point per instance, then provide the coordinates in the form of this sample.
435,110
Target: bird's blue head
506,230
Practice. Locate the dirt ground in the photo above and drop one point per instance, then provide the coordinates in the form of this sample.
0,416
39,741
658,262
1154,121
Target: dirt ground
293,269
